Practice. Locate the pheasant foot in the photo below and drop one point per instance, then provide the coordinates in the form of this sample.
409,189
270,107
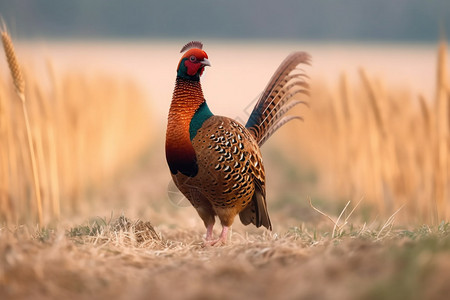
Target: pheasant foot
222,240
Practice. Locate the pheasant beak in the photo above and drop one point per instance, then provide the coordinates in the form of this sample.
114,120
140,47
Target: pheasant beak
205,62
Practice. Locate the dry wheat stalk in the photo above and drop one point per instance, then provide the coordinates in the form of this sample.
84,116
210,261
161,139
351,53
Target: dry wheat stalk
373,101
425,110
6,210
442,124
19,83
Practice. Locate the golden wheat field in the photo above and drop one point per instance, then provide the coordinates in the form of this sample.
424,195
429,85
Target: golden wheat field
358,192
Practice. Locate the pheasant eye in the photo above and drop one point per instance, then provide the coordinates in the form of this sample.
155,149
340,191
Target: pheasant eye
192,58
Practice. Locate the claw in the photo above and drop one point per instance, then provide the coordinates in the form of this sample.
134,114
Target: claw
207,243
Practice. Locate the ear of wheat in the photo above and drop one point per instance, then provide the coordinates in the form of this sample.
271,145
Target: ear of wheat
13,64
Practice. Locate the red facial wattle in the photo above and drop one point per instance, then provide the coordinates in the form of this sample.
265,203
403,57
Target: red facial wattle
193,67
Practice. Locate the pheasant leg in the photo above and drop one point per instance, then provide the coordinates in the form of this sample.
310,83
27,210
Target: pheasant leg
209,232
222,240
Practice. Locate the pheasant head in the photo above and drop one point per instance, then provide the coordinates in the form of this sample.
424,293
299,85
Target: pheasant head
193,62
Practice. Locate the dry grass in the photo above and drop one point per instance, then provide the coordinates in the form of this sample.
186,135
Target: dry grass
105,259
382,144
72,137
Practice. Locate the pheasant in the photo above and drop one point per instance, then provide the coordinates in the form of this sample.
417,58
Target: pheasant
215,161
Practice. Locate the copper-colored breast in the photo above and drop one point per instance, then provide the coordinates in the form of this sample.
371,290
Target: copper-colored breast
180,154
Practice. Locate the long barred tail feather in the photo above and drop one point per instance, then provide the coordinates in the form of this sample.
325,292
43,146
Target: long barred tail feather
268,115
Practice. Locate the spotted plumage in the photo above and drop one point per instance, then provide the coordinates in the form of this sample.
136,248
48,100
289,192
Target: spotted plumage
216,161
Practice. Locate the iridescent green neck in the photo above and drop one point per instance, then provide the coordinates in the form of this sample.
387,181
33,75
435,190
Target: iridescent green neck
202,114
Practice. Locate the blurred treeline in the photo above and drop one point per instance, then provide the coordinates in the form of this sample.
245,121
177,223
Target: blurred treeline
401,20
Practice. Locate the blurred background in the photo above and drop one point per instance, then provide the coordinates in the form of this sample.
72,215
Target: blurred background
99,79
348,20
